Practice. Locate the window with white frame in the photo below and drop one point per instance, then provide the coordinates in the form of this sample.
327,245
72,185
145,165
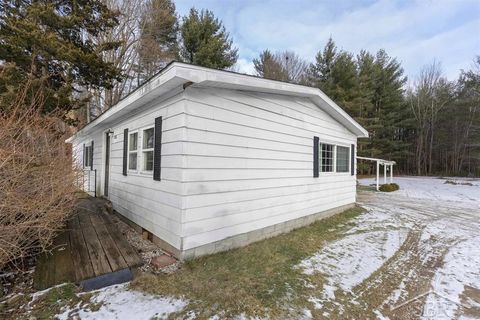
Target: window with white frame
132,151
342,158
326,157
87,156
147,149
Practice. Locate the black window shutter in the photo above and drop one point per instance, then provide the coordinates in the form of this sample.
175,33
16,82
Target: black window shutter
157,149
125,151
91,157
316,142
352,160
84,155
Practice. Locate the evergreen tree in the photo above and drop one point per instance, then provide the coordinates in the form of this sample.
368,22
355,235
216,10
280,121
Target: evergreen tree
158,37
394,118
205,41
369,88
48,43
335,73
320,70
267,66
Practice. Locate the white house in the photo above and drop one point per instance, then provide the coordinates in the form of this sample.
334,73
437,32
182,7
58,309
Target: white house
207,160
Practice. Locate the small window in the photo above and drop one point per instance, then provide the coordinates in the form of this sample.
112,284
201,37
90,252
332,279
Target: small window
326,157
87,156
342,159
148,137
132,151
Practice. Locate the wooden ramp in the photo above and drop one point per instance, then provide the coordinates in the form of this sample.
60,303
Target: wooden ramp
91,252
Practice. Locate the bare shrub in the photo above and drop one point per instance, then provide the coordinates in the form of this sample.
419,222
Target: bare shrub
36,179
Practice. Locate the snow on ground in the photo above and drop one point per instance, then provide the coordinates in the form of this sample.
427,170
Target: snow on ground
442,219
117,302
460,269
435,188
353,259
445,255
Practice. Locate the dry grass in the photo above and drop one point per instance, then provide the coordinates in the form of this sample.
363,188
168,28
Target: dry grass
259,279
49,304
36,180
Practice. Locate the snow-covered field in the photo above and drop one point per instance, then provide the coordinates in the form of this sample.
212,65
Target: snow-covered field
415,254
432,188
416,250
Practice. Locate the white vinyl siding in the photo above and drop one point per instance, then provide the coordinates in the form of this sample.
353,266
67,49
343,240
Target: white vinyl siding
232,162
154,205
248,163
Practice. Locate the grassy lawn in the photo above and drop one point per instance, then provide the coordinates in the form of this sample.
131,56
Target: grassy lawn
257,280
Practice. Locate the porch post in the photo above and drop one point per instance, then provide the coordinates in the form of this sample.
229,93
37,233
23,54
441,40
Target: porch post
378,175
391,173
385,173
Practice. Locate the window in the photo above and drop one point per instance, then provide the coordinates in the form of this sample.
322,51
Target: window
342,159
87,156
326,157
148,137
132,151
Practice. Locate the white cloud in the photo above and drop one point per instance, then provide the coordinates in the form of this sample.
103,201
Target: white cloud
415,31
244,66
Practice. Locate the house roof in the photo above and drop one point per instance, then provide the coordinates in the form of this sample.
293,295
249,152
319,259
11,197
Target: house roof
177,74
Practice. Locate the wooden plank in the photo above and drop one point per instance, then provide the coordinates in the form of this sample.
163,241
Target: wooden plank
128,252
62,259
73,223
84,218
96,219
81,258
108,218
95,250
114,256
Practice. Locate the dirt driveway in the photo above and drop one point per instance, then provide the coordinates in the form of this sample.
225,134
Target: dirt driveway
414,254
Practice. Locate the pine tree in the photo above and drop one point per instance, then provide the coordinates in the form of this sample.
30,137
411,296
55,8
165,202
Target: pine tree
266,66
158,43
320,70
393,114
49,43
369,88
205,41
335,73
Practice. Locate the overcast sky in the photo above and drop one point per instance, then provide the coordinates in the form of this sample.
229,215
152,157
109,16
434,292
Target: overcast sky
416,32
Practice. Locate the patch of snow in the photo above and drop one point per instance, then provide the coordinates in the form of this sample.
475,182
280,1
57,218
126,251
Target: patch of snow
307,314
317,303
38,294
461,268
349,261
120,303
448,219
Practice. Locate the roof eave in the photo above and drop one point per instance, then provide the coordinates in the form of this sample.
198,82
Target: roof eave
176,74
